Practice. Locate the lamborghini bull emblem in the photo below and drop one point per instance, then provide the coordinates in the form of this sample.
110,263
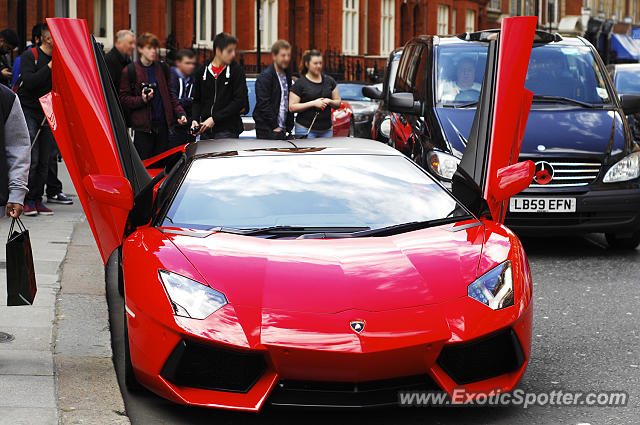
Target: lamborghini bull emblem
357,325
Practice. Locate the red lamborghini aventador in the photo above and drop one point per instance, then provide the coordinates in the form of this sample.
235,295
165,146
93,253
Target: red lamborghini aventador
317,272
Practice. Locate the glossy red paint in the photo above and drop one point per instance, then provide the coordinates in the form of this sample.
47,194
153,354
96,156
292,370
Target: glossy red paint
77,113
401,135
290,300
511,104
512,179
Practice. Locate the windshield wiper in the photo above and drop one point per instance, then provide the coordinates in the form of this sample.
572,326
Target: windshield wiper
272,230
389,230
562,99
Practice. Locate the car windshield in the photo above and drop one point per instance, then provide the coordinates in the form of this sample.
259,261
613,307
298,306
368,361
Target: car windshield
311,190
628,81
251,89
351,92
568,72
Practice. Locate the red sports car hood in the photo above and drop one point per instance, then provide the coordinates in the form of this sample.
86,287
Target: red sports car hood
327,276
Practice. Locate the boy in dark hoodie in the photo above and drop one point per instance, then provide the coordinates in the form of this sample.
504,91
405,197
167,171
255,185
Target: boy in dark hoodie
220,93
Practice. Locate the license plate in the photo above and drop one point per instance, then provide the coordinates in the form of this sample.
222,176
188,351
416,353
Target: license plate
543,205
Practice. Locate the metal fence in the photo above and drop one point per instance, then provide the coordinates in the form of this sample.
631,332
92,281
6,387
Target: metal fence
355,68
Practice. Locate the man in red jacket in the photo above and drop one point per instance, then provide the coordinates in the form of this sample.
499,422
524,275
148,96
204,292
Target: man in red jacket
144,93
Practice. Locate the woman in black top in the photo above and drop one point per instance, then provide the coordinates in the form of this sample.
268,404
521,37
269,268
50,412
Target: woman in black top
312,97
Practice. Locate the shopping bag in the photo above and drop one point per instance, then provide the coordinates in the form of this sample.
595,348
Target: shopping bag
21,276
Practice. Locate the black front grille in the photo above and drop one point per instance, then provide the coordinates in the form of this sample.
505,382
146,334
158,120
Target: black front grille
347,394
568,219
196,365
482,358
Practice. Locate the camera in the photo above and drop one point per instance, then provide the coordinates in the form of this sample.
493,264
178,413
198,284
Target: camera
147,87
194,130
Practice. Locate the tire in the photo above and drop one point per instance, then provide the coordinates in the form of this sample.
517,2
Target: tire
627,242
130,380
120,274
352,128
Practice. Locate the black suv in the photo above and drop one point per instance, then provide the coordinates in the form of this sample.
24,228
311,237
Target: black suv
587,163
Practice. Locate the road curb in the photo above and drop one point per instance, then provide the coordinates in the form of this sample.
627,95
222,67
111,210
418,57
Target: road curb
87,390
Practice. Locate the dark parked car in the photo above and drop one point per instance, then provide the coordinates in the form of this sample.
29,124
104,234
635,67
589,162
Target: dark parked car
381,123
626,80
362,107
587,163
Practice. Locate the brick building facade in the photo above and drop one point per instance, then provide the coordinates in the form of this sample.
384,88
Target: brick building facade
369,28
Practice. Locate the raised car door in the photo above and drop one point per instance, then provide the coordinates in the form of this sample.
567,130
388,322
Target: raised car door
87,122
487,175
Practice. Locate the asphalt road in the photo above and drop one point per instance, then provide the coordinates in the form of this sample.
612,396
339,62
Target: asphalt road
586,338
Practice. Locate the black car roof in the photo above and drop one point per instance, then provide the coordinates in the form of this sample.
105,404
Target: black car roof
256,147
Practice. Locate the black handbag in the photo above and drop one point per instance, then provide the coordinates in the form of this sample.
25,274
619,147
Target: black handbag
21,276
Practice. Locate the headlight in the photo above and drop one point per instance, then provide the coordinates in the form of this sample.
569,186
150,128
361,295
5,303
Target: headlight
190,298
443,164
626,169
385,127
494,288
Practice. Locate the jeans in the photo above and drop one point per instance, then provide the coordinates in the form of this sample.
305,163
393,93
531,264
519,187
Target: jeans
151,144
54,185
270,134
40,154
313,134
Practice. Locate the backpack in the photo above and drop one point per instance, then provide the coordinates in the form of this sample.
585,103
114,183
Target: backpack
18,81
132,76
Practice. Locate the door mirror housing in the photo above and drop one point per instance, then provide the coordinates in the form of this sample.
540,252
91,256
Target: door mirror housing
513,179
403,103
630,103
114,191
372,92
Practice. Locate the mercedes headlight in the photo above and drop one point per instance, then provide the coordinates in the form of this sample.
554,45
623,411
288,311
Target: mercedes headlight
627,168
443,164
190,298
385,127
494,288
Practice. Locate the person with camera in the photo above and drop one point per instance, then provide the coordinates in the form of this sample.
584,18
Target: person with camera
271,114
312,97
146,97
220,93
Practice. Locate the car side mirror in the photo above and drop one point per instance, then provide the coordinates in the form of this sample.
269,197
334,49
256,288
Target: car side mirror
110,190
403,103
513,179
630,103
372,92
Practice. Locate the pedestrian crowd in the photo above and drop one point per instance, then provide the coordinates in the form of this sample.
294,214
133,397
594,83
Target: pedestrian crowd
164,106
167,106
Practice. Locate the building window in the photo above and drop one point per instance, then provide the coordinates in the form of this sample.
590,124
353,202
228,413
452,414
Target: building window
350,26
103,21
387,28
208,21
454,21
495,4
443,20
268,23
66,9
470,21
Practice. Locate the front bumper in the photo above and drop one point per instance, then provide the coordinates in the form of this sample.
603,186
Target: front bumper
415,348
604,208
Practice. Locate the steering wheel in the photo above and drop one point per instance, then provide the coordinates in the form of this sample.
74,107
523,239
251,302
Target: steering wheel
468,95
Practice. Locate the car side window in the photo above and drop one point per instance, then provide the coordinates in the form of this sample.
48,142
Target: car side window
408,74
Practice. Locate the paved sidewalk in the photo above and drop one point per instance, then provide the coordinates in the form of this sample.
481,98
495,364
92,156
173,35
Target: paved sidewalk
36,386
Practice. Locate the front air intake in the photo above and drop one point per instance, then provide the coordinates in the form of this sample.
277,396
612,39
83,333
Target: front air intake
482,358
196,365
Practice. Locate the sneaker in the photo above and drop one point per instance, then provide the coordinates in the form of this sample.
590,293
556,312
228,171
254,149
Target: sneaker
60,198
41,209
30,208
